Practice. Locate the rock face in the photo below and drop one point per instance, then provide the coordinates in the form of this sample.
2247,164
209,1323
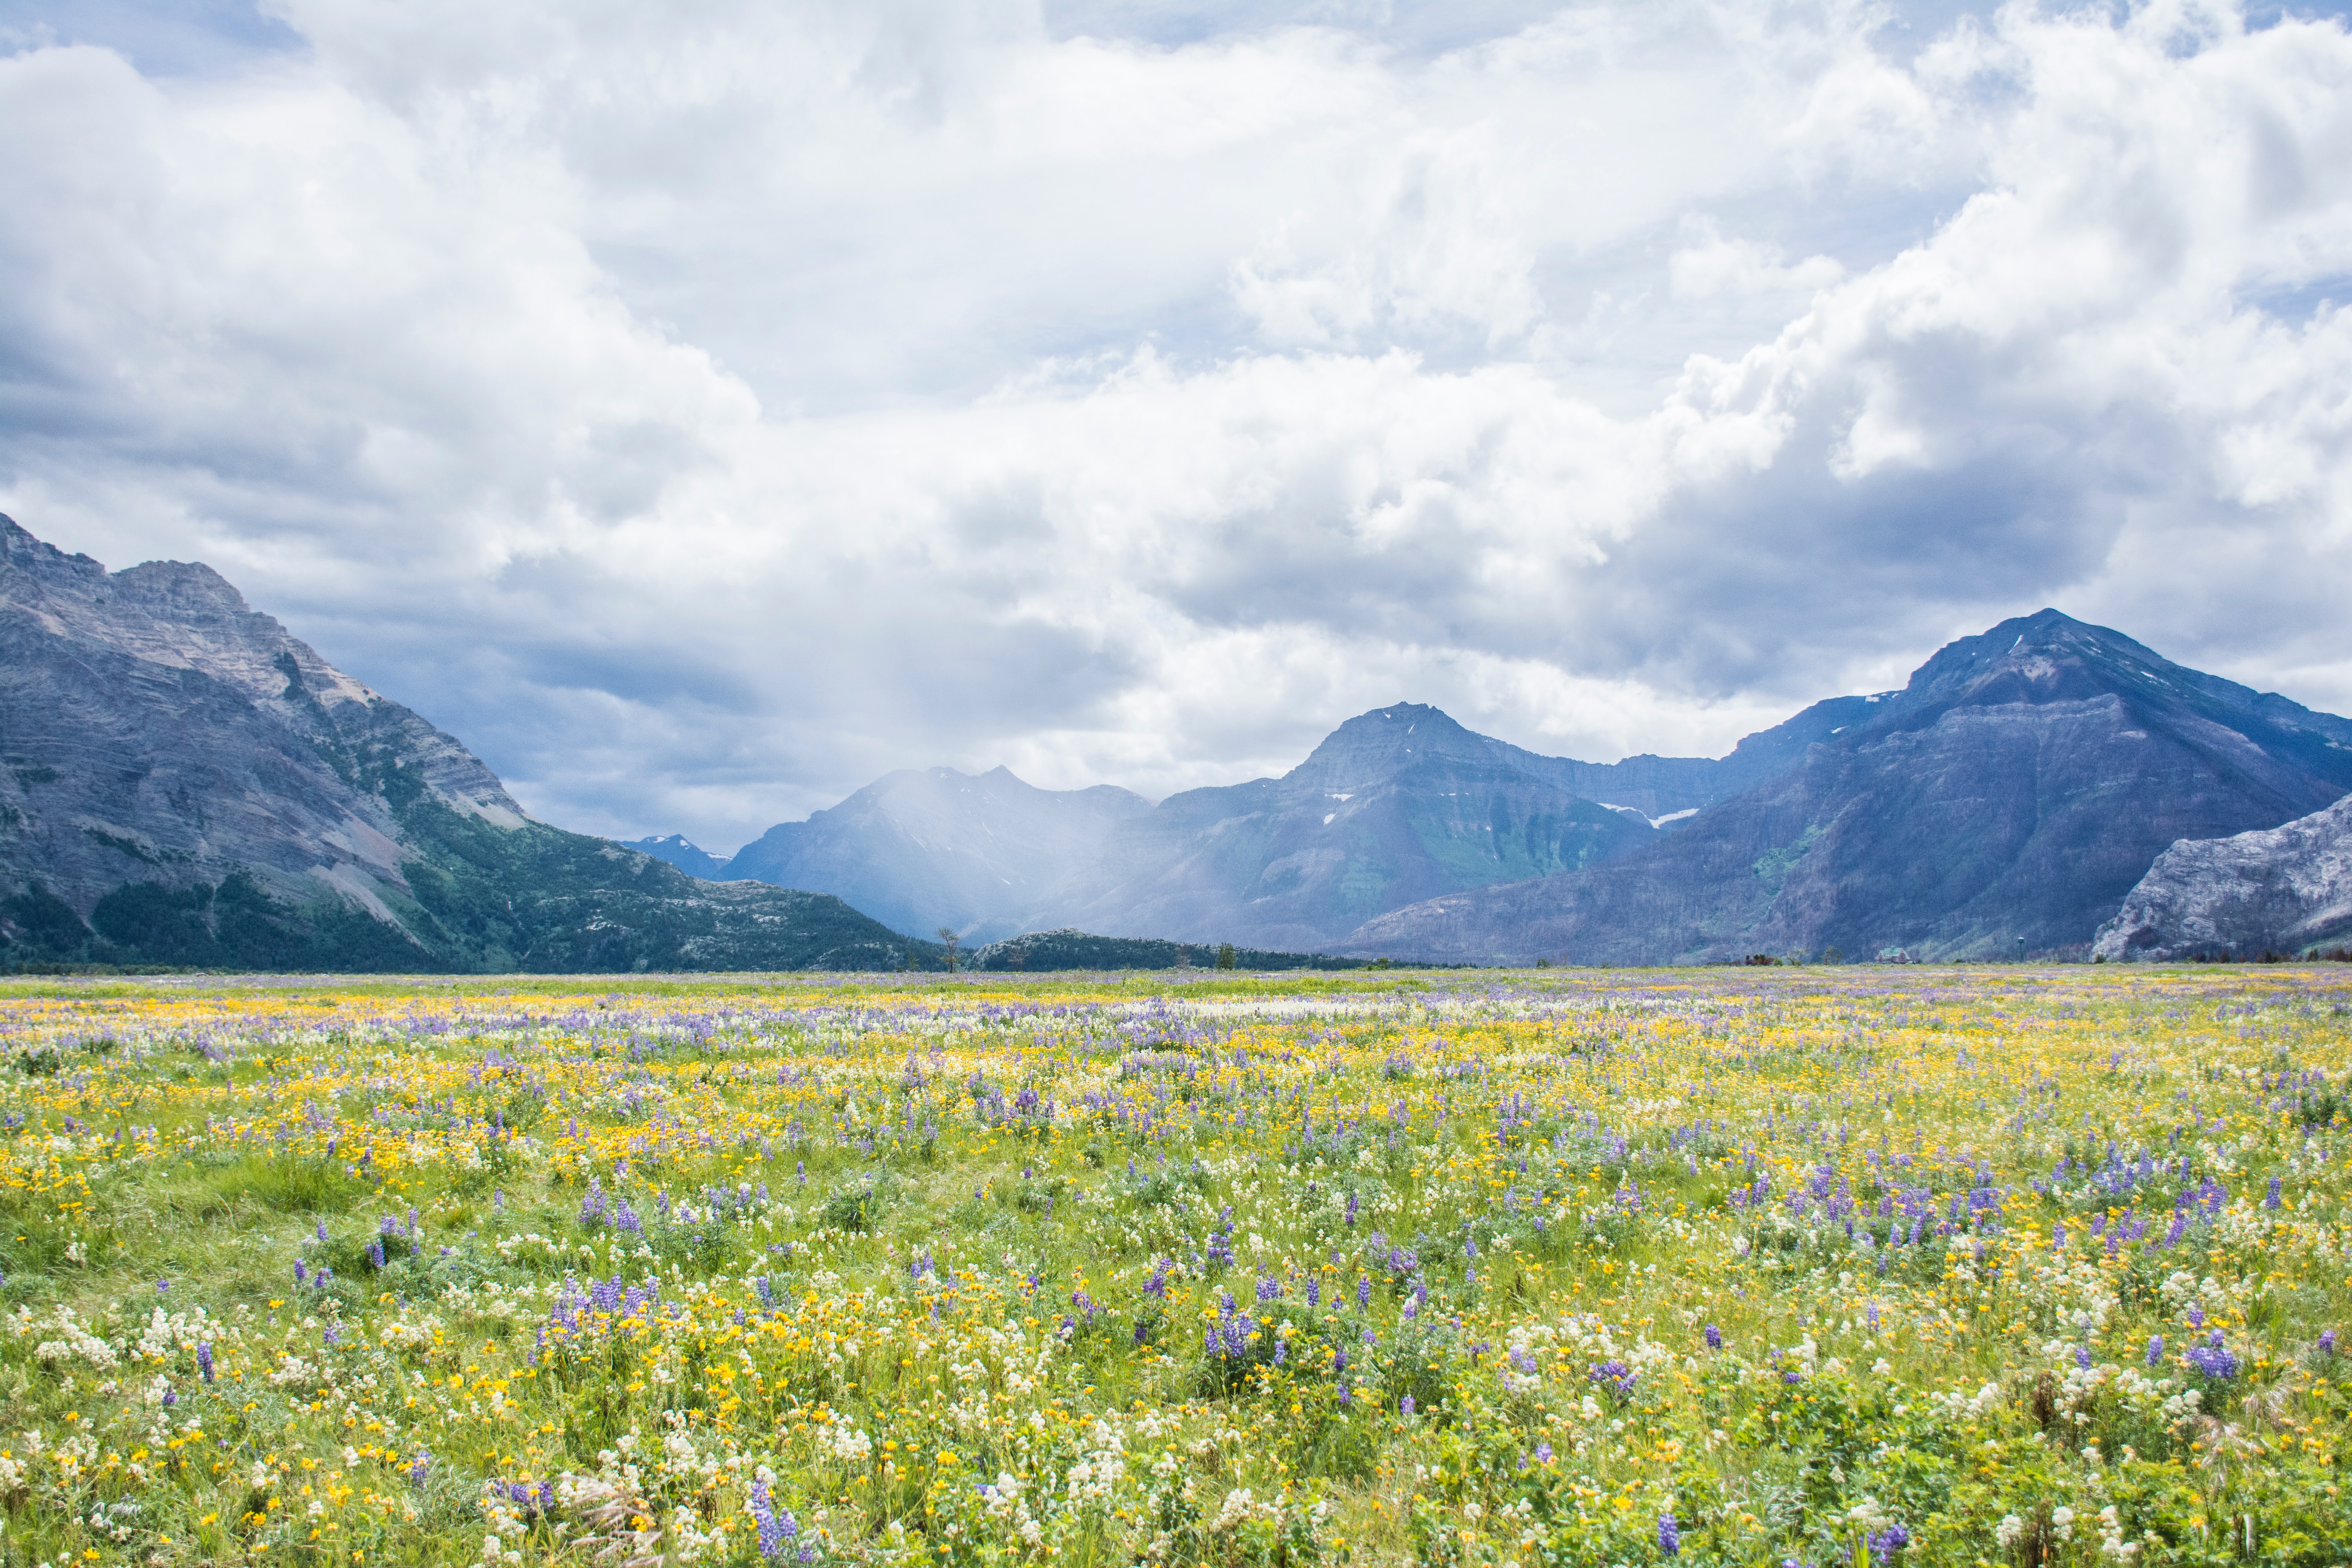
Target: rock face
181,782
2285,889
938,847
2012,792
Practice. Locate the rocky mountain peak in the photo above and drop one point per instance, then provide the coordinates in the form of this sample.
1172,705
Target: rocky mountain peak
20,551
2047,657
186,591
1374,747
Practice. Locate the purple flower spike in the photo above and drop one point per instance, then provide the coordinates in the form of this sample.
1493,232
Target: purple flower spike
2156,1350
1713,1338
1670,1536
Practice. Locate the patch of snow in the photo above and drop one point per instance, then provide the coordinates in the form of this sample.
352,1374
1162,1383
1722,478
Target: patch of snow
1328,817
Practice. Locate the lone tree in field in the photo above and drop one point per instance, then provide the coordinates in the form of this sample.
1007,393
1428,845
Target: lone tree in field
948,939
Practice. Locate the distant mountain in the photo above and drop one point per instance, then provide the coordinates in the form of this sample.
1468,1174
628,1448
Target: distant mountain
1040,951
677,850
183,782
921,850
1668,790
2010,793
1394,805
2285,889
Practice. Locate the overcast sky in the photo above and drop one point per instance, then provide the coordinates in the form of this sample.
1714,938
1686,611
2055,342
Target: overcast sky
700,409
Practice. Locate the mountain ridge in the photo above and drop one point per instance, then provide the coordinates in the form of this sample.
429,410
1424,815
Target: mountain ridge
183,781
1256,862
1980,804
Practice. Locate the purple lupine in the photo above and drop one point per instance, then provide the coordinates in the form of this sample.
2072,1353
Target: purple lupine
2271,1199
1713,1338
2214,1359
375,1253
1404,1406
1543,1453
1670,1536
205,1359
1364,1291
776,1528
301,1273
420,1467
2156,1350
2327,1343
1885,1543
2083,1357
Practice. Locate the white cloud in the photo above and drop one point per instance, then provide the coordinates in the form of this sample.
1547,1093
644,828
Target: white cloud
700,410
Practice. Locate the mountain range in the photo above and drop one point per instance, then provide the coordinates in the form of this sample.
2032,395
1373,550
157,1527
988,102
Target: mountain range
2003,801
183,781
1396,805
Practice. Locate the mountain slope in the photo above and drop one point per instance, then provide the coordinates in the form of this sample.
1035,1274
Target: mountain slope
2016,788
1393,806
924,849
2281,888
181,782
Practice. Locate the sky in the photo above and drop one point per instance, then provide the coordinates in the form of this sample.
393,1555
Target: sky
700,410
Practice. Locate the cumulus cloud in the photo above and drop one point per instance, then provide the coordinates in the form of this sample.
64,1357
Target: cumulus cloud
701,410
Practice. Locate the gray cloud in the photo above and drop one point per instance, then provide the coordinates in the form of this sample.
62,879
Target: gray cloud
703,410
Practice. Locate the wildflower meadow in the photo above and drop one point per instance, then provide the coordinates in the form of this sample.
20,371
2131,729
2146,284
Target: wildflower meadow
1856,1264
